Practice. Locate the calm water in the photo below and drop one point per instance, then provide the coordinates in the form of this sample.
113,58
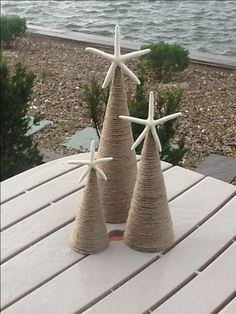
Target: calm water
208,26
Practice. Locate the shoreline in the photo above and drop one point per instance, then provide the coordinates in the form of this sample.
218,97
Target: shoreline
201,58
63,68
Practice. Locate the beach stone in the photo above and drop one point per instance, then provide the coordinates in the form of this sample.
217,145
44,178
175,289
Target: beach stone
218,167
208,103
82,139
34,128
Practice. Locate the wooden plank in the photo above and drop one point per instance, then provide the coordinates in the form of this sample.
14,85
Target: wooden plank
20,207
173,268
219,167
31,272
199,201
25,232
17,236
95,275
179,180
206,291
28,233
28,203
36,176
229,308
37,263
47,220
165,165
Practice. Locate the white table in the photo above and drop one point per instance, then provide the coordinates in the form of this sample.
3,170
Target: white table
41,274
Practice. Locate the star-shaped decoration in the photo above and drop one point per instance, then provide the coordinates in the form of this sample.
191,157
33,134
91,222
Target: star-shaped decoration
117,59
150,123
92,163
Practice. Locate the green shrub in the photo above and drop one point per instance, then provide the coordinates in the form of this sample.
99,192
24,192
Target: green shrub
18,152
166,59
95,98
138,108
11,28
166,103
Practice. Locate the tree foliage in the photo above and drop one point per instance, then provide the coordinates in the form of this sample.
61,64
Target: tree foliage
18,151
166,103
11,27
166,59
95,98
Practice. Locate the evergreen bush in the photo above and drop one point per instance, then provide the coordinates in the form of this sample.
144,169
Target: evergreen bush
138,108
166,59
18,151
11,27
166,103
95,99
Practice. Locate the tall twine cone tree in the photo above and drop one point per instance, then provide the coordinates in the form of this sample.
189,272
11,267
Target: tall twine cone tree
149,226
116,137
89,234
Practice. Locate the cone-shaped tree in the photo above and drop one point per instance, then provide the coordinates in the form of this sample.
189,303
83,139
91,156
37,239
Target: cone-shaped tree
116,140
89,234
117,136
149,226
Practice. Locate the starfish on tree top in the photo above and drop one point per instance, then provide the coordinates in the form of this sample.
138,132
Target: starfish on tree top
117,59
150,123
92,163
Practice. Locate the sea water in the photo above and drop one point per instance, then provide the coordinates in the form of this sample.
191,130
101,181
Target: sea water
207,26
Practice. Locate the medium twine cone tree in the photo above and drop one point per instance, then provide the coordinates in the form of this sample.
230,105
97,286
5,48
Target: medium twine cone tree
116,140
89,234
149,227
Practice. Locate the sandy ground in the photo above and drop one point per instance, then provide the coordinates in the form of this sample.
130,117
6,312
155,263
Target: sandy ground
208,124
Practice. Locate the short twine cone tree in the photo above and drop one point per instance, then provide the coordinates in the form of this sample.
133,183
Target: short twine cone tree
89,234
149,226
116,138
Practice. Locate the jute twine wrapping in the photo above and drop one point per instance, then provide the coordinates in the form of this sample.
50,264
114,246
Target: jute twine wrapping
89,234
116,141
149,226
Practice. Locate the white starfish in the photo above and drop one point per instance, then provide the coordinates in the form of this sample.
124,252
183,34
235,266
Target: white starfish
150,123
92,163
117,59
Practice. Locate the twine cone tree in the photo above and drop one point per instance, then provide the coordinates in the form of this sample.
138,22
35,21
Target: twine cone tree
89,234
116,138
149,227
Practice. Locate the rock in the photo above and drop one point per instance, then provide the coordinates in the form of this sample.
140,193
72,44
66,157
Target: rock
63,69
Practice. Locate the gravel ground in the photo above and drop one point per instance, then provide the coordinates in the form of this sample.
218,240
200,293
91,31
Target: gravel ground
63,68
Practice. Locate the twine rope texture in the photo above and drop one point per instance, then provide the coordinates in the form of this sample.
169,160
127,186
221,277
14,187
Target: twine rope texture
149,226
89,234
116,141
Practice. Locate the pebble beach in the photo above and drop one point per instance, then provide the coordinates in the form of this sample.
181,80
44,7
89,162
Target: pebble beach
63,68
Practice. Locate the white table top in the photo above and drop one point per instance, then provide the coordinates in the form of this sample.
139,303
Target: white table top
41,274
